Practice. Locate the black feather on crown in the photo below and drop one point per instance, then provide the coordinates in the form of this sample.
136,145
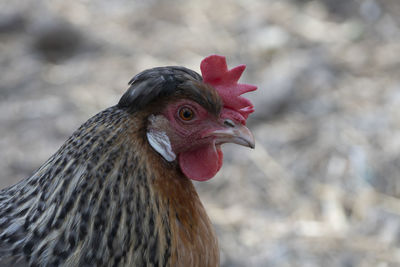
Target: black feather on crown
154,83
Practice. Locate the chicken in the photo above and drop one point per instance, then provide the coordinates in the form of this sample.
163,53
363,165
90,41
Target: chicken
118,192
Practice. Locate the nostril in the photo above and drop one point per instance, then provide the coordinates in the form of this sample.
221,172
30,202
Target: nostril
229,123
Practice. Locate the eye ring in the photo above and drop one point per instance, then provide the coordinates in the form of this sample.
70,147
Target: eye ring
186,114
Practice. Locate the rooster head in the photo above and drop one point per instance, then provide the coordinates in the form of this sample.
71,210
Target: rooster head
189,117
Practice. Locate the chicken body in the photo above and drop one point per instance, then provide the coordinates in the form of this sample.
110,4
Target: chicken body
106,199
109,198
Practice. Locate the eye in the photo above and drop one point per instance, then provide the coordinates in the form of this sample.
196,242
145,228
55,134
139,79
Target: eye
186,114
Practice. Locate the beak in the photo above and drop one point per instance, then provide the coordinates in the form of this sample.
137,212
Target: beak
234,133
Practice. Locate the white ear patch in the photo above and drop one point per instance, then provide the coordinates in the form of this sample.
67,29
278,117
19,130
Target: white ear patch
160,142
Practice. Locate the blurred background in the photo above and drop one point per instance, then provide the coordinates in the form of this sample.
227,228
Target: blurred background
322,186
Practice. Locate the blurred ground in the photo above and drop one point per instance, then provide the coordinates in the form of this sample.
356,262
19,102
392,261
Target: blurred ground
322,186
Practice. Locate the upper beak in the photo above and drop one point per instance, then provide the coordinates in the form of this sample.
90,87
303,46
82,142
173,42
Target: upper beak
234,133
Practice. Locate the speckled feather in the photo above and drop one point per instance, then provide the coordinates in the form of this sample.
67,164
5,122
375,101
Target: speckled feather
105,198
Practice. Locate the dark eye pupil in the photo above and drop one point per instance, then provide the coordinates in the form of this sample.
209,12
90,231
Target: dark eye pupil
186,114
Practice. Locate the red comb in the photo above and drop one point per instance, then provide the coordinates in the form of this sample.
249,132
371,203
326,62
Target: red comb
215,72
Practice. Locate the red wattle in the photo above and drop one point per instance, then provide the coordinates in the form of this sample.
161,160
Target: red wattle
201,164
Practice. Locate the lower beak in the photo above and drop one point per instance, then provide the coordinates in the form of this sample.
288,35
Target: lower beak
237,134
